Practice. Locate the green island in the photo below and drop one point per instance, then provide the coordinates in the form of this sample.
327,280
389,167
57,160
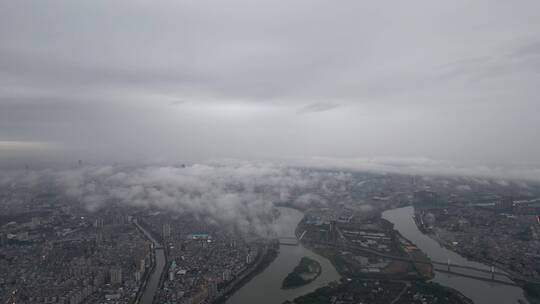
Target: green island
305,272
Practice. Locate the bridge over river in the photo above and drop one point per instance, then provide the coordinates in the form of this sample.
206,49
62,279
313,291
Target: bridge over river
291,240
467,271
477,273
151,284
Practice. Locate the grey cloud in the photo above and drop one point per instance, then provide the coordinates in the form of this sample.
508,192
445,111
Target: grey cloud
178,102
446,80
317,107
528,50
524,58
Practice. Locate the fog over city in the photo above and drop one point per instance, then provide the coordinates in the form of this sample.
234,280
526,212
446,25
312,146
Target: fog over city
425,87
235,194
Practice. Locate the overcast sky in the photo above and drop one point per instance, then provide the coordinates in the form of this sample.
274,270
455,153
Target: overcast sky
193,80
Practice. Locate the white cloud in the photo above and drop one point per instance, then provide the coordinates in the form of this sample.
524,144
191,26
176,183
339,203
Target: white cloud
239,195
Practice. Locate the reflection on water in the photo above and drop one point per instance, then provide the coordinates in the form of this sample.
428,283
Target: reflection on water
481,292
266,286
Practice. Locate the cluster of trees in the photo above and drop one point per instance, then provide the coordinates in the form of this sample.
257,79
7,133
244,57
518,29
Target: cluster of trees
306,267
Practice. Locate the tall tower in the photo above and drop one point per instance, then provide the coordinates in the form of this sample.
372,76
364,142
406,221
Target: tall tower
166,231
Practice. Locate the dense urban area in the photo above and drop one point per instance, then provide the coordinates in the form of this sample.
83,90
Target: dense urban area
54,249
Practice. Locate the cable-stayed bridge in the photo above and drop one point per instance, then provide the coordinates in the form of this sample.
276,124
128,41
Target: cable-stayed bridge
291,240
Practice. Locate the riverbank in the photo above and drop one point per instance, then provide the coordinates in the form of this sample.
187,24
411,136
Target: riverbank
145,278
153,276
449,246
532,291
480,291
146,275
261,264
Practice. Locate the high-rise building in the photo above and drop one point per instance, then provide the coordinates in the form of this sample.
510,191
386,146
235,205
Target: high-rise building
227,275
3,240
172,270
116,275
332,231
99,238
99,279
98,223
147,247
166,231
142,265
212,290
505,204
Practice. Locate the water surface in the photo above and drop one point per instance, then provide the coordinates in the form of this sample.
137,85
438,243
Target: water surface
265,288
481,292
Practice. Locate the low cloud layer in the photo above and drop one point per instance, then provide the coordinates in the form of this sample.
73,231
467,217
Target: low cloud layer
240,195
424,166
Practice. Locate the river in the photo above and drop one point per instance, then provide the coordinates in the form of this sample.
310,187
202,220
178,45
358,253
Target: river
265,288
481,292
152,284
153,281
